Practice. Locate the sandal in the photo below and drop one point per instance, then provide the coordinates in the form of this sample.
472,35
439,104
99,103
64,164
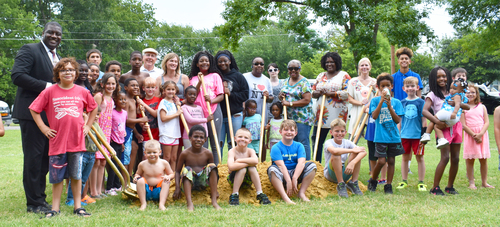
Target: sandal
81,212
51,213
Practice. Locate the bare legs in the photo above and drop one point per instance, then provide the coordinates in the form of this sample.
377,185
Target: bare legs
141,191
452,151
405,166
170,154
278,185
484,173
96,177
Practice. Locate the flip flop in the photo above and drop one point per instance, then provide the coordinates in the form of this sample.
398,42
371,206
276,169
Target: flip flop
50,214
81,212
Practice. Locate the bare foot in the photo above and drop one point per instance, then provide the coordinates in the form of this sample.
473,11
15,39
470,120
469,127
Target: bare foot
304,197
162,208
216,206
487,186
143,207
289,202
472,186
190,207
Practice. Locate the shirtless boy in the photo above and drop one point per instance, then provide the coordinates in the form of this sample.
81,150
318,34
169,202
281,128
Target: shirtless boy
241,162
136,63
153,176
196,168
132,89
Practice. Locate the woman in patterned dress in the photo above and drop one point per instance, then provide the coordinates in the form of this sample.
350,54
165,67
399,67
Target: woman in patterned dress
296,96
358,91
332,84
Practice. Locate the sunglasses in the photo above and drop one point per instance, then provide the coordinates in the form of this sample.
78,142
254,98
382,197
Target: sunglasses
273,70
258,63
293,68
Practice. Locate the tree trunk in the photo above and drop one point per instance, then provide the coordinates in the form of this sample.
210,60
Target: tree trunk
393,64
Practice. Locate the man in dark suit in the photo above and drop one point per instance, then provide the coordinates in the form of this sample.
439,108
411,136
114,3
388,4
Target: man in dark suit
32,73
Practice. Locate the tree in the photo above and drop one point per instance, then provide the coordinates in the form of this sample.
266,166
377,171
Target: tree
106,25
479,21
184,41
481,68
274,44
10,31
361,20
422,63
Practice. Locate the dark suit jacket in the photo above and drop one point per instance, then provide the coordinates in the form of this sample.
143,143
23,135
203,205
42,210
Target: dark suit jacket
31,71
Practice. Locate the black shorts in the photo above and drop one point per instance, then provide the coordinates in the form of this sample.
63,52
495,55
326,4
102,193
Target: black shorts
384,150
371,150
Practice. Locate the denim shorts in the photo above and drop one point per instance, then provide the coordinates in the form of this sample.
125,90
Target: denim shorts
64,166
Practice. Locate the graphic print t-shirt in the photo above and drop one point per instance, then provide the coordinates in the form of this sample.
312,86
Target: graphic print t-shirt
411,124
64,110
386,130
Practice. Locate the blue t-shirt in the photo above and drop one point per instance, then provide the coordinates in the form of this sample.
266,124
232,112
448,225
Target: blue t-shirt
370,129
253,125
386,130
288,154
411,124
397,90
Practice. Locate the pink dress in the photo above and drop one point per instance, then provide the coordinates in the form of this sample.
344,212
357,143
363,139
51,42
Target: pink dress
474,120
105,122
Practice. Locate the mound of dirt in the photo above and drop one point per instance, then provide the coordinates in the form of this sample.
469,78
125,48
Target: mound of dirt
319,188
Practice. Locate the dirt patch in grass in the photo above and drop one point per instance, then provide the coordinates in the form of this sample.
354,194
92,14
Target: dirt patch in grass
319,188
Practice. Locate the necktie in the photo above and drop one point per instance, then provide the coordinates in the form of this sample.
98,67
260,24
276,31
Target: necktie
54,58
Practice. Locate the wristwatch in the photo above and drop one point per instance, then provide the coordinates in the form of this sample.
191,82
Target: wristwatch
291,104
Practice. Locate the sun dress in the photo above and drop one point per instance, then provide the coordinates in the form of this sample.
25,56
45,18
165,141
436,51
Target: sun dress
358,91
474,120
105,122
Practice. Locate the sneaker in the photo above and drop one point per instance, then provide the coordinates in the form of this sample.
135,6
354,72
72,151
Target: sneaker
442,143
388,189
409,171
234,199
342,190
451,191
263,199
422,187
437,191
402,185
426,137
383,181
88,200
372,185
71,203
354,188
111,192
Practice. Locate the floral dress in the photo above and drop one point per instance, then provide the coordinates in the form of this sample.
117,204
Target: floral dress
358,91
334,107
105,122
302,115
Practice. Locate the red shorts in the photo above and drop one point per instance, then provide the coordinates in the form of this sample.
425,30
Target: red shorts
456,135
413,144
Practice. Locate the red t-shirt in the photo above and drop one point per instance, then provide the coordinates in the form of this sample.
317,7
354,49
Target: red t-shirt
64,110
152,121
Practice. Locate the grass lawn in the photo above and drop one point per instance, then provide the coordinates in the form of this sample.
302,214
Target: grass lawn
407,207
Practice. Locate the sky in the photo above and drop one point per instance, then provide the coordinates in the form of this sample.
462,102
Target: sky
205,14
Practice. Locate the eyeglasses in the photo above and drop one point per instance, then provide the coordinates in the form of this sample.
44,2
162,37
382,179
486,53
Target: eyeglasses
293,68
273,70
68,71
258,63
